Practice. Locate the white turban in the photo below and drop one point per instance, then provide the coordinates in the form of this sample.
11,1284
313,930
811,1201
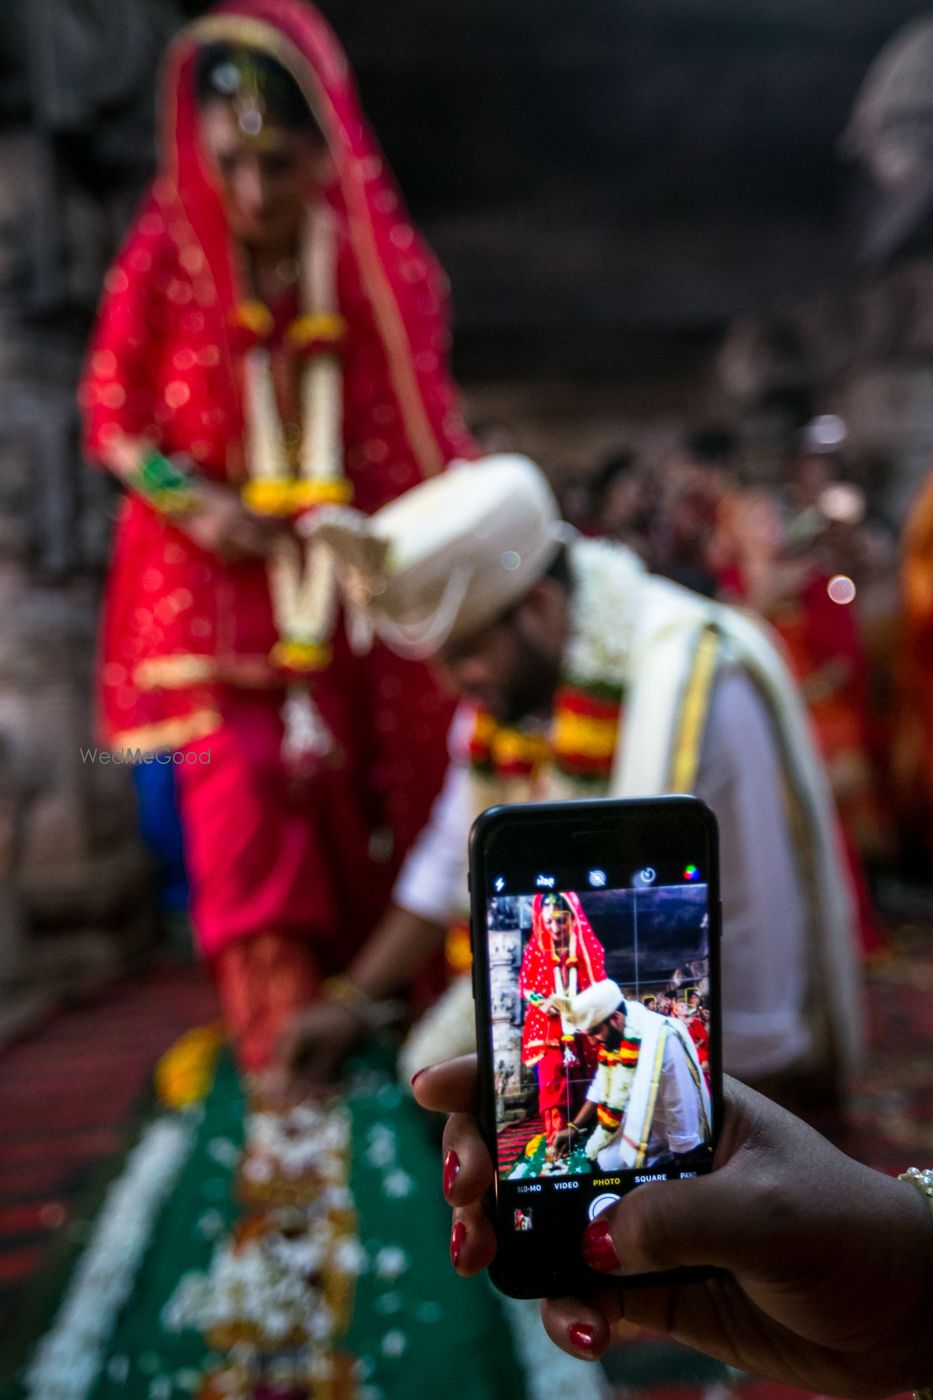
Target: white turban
595,1005
448,557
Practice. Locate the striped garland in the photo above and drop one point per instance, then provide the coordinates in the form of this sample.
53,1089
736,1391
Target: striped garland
625,1054
585,731
580,744
615,1077
620,1067
579,747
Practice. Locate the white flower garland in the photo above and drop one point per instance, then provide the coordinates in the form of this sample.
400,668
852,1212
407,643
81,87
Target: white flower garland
608,580
263,1286
305,1138
613,1084
68,1359
302,574
274,1290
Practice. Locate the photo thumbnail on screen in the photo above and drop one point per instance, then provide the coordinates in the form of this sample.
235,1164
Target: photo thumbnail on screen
601,1031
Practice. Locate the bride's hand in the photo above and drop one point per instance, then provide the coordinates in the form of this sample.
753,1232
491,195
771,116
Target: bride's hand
223,525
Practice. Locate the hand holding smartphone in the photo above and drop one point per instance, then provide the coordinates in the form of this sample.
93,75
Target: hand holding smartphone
595,929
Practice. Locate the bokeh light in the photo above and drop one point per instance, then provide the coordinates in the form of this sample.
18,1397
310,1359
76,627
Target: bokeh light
841,589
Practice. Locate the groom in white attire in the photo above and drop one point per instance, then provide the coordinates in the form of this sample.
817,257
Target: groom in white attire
648,1105
535,627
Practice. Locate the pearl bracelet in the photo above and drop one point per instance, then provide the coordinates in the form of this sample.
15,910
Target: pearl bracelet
923,1181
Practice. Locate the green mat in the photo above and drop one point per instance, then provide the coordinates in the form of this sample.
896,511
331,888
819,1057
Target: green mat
412,1313
94,1326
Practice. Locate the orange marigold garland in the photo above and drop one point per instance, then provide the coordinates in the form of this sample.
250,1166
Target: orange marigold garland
581,744
185,1073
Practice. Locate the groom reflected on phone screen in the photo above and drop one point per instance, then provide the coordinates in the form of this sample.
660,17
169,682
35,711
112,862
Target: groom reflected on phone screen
647,1104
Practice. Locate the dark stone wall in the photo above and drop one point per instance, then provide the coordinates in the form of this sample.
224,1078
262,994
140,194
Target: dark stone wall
657,165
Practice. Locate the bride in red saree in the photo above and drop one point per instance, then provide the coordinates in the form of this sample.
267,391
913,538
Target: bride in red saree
563,957
272,336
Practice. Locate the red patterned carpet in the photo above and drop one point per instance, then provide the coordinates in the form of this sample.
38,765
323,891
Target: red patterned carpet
891,1112
512,1140
66,1094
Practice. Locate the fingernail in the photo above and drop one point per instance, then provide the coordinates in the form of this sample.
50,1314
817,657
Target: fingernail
597,1247
581,1336
416,1076
451,1171
457,1236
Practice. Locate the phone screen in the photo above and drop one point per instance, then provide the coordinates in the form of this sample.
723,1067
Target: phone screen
602,1019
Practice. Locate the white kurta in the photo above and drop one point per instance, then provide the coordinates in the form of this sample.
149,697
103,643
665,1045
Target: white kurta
677,1123
764,954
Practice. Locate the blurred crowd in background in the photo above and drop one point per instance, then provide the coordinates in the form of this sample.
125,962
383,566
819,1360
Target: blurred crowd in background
847,594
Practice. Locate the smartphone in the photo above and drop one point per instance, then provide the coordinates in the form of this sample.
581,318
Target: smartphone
595,930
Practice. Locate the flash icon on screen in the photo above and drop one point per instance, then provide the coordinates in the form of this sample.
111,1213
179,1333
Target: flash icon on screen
598,879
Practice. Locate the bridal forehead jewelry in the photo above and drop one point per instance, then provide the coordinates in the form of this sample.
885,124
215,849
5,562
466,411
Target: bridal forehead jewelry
241,81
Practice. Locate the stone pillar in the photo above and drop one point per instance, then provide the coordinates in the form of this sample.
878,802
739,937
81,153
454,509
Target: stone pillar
510,921
75,903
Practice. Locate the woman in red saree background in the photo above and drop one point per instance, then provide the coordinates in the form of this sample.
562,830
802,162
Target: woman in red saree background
825,651
563,957
913,738
276,328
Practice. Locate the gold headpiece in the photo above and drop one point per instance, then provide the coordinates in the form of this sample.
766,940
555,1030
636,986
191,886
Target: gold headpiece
243,82
556,901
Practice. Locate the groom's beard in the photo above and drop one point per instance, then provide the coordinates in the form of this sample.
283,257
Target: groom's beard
532,685
614,1037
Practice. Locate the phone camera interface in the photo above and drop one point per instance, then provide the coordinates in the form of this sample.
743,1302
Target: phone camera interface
601,1034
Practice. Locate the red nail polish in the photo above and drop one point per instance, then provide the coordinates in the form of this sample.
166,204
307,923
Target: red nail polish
457,1236
581,1336
597,1247
451,1170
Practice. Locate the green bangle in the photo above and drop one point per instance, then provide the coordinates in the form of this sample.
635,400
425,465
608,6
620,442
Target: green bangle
164,485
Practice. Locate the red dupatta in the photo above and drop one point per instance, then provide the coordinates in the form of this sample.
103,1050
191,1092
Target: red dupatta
537,973
166,363
397,276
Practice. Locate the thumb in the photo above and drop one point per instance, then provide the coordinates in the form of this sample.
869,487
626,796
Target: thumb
661,1225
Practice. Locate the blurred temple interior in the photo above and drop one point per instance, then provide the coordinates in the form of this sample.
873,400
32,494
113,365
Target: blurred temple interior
689,249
